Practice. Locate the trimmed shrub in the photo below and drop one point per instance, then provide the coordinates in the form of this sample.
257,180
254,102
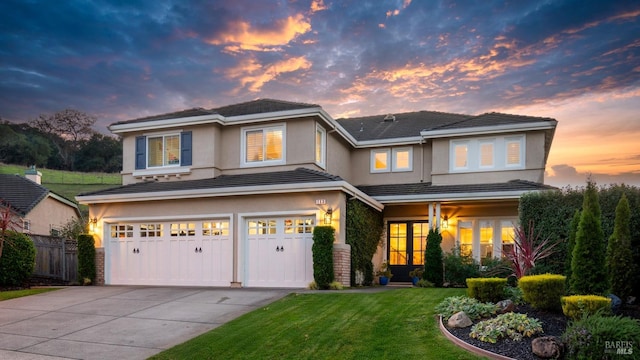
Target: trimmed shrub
543,291
433,258
86,259
18,259
514,294
323,237
577,306
422,283
473,308
486,289
601,337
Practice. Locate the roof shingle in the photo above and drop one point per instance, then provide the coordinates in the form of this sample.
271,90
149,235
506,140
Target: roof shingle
427,188
20,193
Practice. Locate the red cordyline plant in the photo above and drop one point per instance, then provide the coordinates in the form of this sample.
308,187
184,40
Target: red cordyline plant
528,249
7,221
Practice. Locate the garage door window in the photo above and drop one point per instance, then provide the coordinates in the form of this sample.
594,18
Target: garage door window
150,230
183,229
215,228
121,231
298,226
262,227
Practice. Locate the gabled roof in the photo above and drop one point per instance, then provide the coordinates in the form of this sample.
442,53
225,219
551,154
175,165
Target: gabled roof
389,193
20,193
300,175
171,115
392,126
261,106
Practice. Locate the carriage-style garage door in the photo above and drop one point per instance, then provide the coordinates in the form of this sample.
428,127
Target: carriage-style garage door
279,251
170,253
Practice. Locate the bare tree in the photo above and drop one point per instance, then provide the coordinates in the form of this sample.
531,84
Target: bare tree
70,124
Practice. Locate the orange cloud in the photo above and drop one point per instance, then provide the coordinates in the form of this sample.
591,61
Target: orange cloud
254,75
318,5
241,35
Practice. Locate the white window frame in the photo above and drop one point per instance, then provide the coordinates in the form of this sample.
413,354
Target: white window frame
511,139
500,153
394,159
475,224
323,146
163,136
454,145
386,151
243,145
491,142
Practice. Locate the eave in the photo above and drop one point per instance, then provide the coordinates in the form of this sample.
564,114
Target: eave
484,130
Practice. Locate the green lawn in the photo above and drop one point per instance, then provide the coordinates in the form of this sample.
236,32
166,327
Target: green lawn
12,294
394,324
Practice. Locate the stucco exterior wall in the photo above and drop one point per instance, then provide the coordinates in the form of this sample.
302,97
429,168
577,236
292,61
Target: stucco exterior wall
49,213
361,167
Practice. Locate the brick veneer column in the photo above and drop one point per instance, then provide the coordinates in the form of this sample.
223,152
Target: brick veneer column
99,266
342,263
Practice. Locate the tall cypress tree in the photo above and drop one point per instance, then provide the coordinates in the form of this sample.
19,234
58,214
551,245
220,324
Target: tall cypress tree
588,271
433,258
620,266
575,222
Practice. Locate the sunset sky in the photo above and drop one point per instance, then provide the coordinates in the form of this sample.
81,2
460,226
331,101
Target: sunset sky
575,61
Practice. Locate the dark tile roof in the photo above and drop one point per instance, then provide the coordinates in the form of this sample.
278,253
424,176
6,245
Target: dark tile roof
427,188
261,106
297,176
398,125
494,119
20,193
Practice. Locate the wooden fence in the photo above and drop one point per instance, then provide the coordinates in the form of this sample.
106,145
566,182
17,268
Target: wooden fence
56,258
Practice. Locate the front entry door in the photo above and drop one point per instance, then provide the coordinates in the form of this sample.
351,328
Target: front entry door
406,244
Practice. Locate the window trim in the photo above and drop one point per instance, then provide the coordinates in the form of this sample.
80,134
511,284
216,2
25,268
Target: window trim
482,142
511,139
452,150
323,144
394,162
164,137
263,128
500,154
372,161
475,223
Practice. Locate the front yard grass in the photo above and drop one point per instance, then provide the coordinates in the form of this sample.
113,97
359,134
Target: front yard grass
12,294
394,324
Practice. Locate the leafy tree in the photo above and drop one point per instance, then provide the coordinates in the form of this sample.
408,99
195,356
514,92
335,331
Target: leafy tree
588,271
99,153
619,261
8,222
433,258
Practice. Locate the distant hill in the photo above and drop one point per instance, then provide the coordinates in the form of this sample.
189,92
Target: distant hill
68,183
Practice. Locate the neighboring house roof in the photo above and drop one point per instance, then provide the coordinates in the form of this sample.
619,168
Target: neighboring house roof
424,191
23,194
172,115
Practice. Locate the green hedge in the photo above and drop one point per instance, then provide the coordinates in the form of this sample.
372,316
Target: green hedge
323,237
18,259
543,291
364,230
486,289
86,259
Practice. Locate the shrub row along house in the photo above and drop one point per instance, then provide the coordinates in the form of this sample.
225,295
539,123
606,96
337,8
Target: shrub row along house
230,196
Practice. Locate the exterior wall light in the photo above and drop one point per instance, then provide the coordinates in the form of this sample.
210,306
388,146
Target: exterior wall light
328,216
92,224
445,222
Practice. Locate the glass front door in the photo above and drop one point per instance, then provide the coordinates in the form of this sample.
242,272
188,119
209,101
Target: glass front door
406,244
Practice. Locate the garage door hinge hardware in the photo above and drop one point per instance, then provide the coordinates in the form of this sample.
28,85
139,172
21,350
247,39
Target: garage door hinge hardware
278,248
136,251
198,250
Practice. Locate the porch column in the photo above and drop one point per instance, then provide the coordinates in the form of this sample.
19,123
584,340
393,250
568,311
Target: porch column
434,215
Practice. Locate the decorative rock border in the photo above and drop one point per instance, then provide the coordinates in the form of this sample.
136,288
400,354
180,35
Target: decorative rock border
473,349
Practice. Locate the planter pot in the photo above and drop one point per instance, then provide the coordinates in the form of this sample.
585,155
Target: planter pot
415,280
383,280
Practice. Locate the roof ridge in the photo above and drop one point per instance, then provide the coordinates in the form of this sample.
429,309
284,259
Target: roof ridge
514,115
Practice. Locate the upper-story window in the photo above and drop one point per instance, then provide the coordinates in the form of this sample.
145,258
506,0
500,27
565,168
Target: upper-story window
487,154
263,146
163,150
396,160
321,145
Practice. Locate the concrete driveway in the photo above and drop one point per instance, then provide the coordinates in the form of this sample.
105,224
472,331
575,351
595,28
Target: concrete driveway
118,322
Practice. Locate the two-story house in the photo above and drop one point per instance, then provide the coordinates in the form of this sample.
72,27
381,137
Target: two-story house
230,196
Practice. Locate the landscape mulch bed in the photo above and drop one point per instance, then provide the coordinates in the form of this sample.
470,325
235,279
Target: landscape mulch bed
552,324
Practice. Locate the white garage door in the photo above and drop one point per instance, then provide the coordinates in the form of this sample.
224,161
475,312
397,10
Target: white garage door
170,253
279,251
